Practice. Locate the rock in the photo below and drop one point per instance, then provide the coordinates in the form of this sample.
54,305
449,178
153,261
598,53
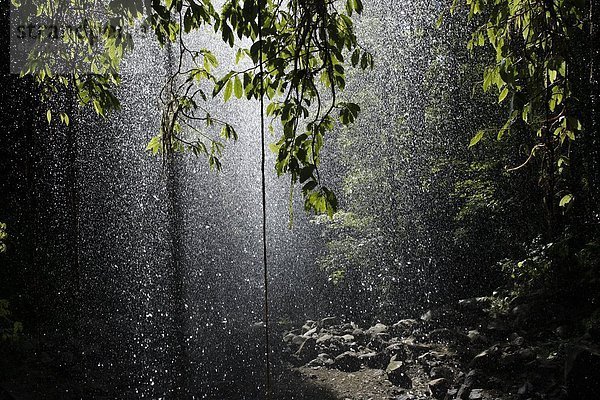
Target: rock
442,371
328,322
438,387
445,335
322,360
307,351
311,332
348,361
379,341
395,350
474,378
517,340
487,359
359,334
377,329
517,359
475,337
396,374
324,338
475,303
374,360
348,338
525,389
308,325
413,348
582,374
405,327
476,394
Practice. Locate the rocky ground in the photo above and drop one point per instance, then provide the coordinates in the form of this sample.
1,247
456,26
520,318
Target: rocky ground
488,348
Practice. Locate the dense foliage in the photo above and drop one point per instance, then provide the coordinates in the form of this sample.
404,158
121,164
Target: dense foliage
299,51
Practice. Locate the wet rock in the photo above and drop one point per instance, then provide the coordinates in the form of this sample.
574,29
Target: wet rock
442,371
348,338
445,335
307,351
328,322
322,360
475,303
396,351
377,329
473,379
348,361
413,348
475,337
476,394
396,374
582,374
308,325
379,341
438,387
324,338
374,360
405,327
517,359
487,359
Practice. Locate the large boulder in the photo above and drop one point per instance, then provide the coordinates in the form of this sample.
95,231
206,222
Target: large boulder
396,374
439,388
348,361
374,360
307,351
378,328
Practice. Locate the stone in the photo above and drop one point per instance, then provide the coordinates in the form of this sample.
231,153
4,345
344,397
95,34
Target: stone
308,325
472,379
438,387
374,360
348,361
348,338
396,374
328,322
307,351
445,335
378,328
405,327
487,359
476,337
396,350
324,338
322,360
441,371
476,394
475,303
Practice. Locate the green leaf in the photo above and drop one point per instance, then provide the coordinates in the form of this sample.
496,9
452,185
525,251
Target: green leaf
237,87
440,20
228,90
475,139
503,95
49,116
566,199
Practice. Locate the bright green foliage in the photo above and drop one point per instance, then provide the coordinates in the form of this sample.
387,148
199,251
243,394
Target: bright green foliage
533,42
301,47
